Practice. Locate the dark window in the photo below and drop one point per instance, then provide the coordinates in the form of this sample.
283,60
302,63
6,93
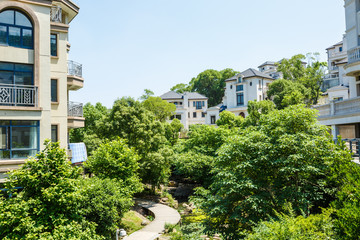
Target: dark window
178,117
240,99
18,139
202,115
340,49
53,44
250,84
239,80
230,86
198,105
194,103
239,88
213,119
54,90
19,74
16,29
194,114
54,133
203,103
188,115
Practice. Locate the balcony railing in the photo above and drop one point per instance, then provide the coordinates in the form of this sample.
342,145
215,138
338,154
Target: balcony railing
354,55
75,109
18,95
75,69
353,145
335,108
330,82
56,14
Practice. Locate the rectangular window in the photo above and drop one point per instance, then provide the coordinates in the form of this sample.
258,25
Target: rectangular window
213,119
202,115
340,49
14,36
259,97
239,88
203,103
53,43
194,114
240,99
198,105
3,35
188,115
54,133
193,103
239,80
18,139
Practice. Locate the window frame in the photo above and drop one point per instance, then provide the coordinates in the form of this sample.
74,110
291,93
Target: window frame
239,97
212,117
57,45
9,141
57,91
20,71
22,28
57,131
194,115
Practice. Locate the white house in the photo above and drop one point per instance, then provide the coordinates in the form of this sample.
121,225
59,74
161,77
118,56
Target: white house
190,107
343,112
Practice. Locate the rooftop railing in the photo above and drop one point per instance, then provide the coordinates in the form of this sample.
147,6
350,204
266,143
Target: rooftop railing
18,95
336,108
75,69
75,109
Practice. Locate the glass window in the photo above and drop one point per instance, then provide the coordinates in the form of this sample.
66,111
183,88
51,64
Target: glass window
20,74
202,115
239,79
54,90
18,139
194,114
213,119
198,105
16,29
239,88
53,43
240,99
193,103
54,133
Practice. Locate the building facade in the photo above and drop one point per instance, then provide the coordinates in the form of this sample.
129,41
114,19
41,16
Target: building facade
343,114
35,78
190,107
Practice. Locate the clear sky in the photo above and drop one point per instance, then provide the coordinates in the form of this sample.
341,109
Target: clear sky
126,46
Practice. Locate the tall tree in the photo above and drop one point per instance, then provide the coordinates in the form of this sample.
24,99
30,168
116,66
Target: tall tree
160,108
147,93
181,88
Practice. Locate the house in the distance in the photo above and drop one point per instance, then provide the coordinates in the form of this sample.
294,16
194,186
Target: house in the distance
190,107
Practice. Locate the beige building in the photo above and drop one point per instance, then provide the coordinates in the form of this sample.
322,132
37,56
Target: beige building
190,107
35,78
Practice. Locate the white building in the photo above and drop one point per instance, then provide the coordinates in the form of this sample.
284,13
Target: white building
35,78
342,114
190,107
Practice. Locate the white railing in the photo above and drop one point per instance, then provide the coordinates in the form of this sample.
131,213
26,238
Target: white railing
56,14
348,106
18,95
353,145
331,76
75,109
75,69
354,55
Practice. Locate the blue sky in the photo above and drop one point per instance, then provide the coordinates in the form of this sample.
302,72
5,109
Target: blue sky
126,46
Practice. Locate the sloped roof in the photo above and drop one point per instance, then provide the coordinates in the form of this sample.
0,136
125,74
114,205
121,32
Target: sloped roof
337,44
195,95
337,88
267,63
171,95
250,73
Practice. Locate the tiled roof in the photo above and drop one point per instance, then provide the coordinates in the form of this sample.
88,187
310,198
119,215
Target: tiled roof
171,95
195,95
250,73
267,63
337,44
337,88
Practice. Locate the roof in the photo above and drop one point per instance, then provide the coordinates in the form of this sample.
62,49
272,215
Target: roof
267,63
250,73
337,88
217,107
195,95
337,44
171,95
175,95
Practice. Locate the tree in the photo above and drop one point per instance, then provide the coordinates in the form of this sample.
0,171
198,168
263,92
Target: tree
147,93
172,131
256,109
162,109
229,120
287,158
181,88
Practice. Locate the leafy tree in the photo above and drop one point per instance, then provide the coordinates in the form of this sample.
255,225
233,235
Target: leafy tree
287,158
181,88
229,120
162,109
147,93
172,131
256,109
115,160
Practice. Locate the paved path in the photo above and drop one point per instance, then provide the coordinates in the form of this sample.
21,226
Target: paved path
163,214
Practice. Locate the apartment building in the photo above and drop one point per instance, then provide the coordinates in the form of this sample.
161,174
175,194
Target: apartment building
343,113
35,78
190,107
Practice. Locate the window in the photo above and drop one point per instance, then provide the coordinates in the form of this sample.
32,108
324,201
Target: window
240,80
54,133
194,114
240,99
202,115
203,103
178,117
16,74
54,45
54,90
340,49
18,139
198,105
250,84
259,97
194,103
212,119
230,86
16,29
188,115
239,88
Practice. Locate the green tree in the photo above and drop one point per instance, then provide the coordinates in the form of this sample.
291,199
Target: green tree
286,158
147,93
229,120
181,88
256,109
162,109
172,131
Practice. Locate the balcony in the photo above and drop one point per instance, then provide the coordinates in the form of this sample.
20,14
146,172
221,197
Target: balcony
330,80
75,115
18,95
354,146
75,80
353,66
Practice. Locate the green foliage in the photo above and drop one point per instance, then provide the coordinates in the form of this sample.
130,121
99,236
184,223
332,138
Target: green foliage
173,130
131,222
290,227
287,157
147,93
229,120
181,88
255,110
115,160
162,109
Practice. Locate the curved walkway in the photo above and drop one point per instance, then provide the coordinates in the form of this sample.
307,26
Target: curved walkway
163,214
